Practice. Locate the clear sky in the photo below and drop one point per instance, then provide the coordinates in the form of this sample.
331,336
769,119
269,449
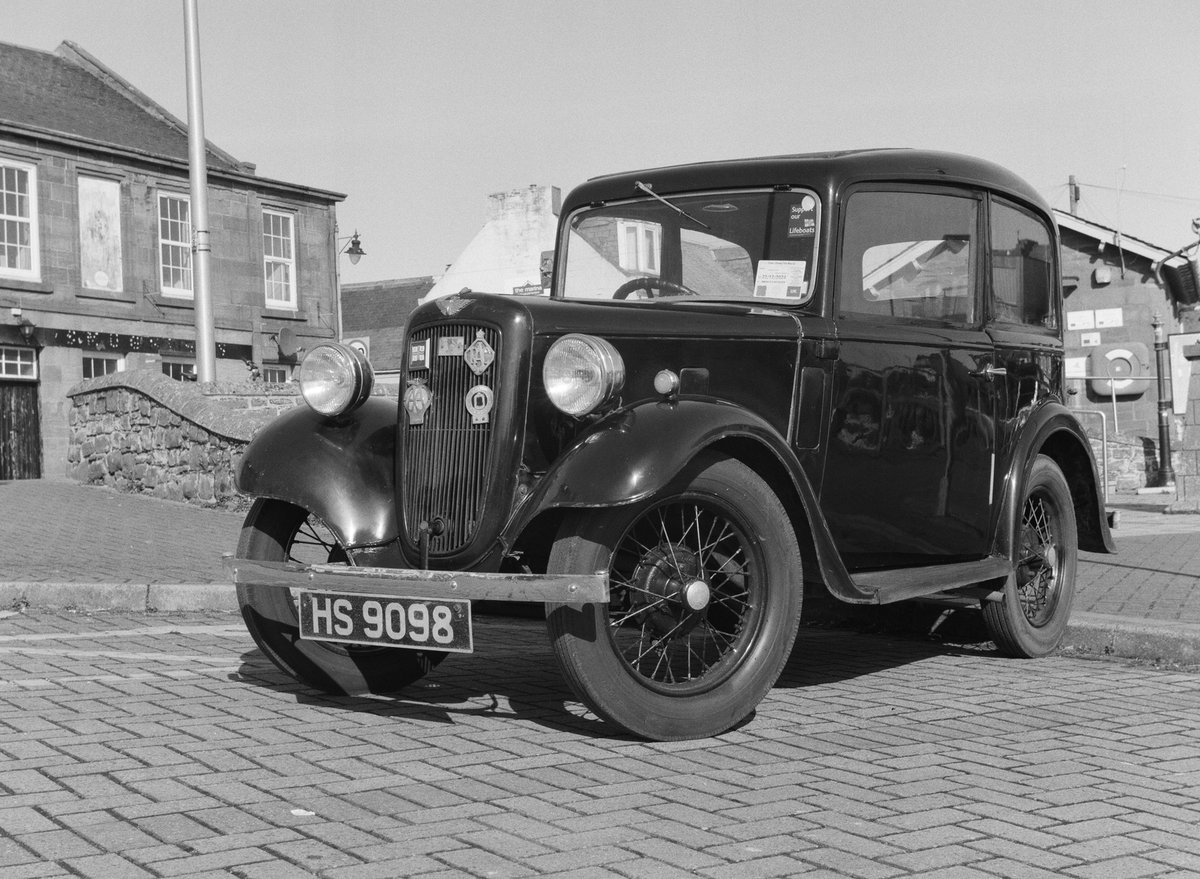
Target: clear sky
418,110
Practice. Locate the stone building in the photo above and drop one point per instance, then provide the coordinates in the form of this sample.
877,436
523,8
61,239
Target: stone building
95,250
1115,285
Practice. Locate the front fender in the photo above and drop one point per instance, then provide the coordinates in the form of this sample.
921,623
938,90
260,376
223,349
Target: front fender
342,470
633,453
636,452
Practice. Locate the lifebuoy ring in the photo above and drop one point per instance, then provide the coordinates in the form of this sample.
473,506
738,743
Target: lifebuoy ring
1122,361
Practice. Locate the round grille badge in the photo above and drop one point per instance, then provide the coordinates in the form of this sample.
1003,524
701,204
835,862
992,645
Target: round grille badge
417,400
479,403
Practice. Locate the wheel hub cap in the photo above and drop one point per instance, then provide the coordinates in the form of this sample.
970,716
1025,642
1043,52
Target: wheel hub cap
671,592
696,595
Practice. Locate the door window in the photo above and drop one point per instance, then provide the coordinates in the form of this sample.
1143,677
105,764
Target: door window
18,363
1022,268
909,255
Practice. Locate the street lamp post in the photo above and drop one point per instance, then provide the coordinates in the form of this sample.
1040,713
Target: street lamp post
1166,473
352,249
206,370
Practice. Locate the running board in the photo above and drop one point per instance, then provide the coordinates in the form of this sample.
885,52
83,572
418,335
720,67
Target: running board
899,584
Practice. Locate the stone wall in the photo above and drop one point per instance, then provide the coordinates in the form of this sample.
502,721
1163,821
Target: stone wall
141,431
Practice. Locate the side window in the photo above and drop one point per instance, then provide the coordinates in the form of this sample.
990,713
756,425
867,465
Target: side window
279,260
175,244
638,246
19,251
179,369
1022,268
909,255
97,364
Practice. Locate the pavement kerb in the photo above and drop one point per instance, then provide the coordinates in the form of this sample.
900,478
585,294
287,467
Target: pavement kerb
1161,641
135,597
1088,634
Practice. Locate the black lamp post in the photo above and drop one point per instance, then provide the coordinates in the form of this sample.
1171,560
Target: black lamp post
1166,473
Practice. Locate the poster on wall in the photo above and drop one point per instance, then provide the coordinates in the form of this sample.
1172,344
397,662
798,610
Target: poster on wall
100,234
1185,351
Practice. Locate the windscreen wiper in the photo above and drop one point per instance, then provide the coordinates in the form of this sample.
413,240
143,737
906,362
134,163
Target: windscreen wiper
650,192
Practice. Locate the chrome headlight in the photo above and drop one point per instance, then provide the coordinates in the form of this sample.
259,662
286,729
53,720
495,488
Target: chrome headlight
335,379
582,373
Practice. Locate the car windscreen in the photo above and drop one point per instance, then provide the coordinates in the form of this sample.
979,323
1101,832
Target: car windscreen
756,244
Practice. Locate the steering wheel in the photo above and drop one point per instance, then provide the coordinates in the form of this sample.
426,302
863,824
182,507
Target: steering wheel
649,284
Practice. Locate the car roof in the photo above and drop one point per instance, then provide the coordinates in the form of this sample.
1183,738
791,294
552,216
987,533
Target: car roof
825,172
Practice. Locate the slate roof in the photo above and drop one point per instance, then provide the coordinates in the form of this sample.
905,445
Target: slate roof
1110,236
379,310
68,92
378,304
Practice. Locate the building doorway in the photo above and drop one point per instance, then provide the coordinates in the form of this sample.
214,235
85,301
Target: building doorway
20,415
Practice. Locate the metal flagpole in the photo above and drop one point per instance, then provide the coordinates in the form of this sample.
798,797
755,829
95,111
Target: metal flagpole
198,170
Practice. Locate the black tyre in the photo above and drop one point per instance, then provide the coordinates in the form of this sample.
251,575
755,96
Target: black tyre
1032,618
705,594
275,531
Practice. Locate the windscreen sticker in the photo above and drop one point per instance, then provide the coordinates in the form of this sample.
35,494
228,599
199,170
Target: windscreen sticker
802,218
781,279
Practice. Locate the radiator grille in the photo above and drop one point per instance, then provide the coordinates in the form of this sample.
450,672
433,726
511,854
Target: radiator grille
446,459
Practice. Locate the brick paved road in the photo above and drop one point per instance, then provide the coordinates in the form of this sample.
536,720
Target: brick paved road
139,746
60,531
1155,574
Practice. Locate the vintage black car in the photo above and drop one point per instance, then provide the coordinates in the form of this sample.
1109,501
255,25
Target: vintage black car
841,368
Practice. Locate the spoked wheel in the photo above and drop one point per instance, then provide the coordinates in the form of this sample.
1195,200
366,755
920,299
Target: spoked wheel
1032,617
275,531
705,592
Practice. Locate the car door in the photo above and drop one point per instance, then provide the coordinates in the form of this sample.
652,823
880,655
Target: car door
1023,318
909,462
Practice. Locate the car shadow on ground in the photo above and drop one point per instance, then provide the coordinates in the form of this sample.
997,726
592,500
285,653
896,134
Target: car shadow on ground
868,640
513,671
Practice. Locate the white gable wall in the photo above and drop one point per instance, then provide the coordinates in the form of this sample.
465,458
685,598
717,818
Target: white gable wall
507,252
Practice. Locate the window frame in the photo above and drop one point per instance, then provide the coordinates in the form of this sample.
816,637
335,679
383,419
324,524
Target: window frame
105,356
34,272
1055,270
186,246
646,258
15,357
182,365
282,368
289,262
976,261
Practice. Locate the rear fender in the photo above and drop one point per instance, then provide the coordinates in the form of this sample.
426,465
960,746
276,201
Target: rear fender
341,470
1055,432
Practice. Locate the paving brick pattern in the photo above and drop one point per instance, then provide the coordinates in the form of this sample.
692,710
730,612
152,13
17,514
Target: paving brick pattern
1154,575
64,532
150,746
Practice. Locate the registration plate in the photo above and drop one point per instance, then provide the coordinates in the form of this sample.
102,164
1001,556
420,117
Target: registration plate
377,620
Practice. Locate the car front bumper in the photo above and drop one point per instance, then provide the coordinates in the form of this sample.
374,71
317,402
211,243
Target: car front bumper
576,589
